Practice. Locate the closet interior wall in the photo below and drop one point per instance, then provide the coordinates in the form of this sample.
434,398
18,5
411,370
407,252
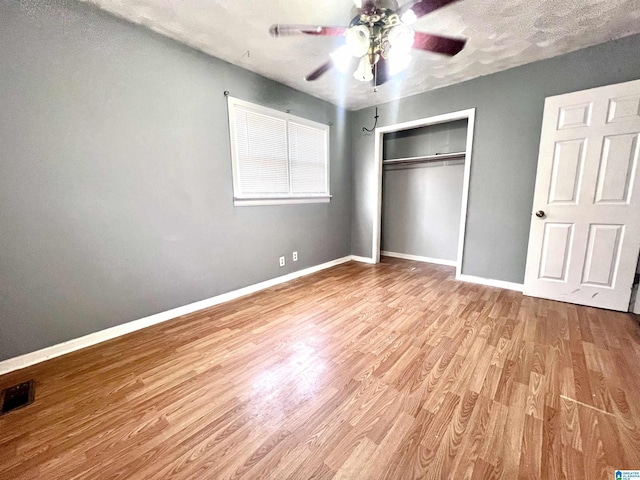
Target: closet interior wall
422,200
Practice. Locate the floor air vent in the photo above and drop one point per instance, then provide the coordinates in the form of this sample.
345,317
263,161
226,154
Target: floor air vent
17,396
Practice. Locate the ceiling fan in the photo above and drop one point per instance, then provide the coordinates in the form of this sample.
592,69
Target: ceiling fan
380,36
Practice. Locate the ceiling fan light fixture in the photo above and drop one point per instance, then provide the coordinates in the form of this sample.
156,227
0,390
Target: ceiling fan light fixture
363,72
358,38
401,38
341,58
379,37
409,17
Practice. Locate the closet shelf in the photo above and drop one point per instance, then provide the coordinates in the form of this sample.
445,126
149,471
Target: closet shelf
424,158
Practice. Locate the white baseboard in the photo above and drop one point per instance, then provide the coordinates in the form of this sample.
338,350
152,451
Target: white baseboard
47,353
518,287
356,258
406,256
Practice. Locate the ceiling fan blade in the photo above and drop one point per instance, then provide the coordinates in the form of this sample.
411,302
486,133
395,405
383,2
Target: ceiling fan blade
278,30
318,72
422,7
438,44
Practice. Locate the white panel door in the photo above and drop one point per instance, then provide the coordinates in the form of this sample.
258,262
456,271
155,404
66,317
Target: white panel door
585,226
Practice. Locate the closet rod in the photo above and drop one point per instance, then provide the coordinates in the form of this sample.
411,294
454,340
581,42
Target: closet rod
425,158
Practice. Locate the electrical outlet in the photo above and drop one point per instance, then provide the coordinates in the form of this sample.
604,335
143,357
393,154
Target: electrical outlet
295,256
282,261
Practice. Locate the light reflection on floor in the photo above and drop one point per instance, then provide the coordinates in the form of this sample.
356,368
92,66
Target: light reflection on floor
287,384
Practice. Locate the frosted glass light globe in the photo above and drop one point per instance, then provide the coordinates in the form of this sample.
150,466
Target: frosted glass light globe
408,17
363,72
398,61
401,38
357,40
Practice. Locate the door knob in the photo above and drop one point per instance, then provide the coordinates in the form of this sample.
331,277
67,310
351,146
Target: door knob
540,214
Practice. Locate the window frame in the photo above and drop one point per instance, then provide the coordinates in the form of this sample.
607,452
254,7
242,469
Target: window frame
243,199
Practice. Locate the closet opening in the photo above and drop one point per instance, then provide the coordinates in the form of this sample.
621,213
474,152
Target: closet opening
422,189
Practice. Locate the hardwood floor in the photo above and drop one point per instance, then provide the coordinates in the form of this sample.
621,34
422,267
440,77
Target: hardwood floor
359,371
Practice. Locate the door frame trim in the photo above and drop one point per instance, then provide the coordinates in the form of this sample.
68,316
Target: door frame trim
469,115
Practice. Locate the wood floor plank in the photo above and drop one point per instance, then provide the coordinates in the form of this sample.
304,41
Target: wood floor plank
393,370
531,449
452,441
595,460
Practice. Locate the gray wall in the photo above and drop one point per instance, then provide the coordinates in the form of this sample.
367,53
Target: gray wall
507,133
421,209
116,194
421,202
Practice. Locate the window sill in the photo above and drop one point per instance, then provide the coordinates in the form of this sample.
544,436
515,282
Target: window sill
250,202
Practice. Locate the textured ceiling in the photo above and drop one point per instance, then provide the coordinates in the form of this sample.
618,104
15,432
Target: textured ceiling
501,35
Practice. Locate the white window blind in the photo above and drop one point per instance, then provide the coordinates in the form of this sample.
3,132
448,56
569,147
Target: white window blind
277,158
262,153
308,157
